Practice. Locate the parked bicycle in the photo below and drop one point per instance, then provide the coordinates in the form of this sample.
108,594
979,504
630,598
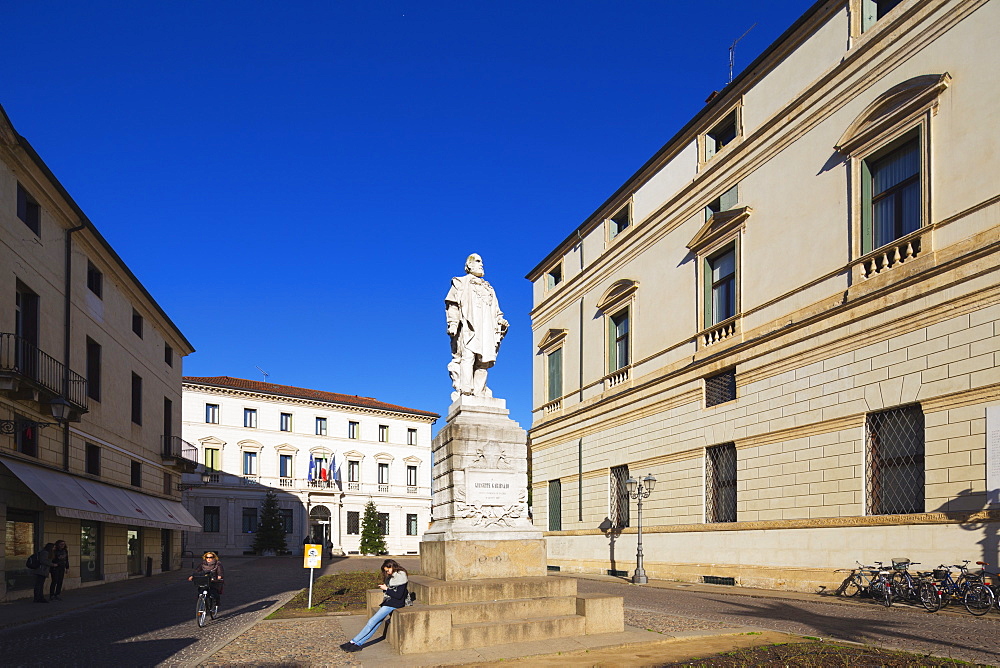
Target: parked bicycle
208,602
968,588
881,584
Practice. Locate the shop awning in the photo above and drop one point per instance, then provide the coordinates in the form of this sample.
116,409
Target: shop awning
91,500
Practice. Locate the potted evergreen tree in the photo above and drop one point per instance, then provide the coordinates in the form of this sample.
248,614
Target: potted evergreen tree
372,540
270,536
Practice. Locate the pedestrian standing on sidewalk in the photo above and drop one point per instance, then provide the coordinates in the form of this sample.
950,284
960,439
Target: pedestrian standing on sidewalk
60,567
396,592
44,559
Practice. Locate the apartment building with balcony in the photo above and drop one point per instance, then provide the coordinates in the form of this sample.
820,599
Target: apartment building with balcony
324,454
90,392
790,317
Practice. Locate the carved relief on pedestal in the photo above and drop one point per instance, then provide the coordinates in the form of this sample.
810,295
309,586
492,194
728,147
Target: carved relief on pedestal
491,494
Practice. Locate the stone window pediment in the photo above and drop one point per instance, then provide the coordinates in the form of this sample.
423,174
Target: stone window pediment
353,454
384,457
250,445
211,442
552,339
413,461
721,225
620,292
286,448
321,451
892,107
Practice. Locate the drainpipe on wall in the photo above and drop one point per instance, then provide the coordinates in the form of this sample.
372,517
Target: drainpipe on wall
67,314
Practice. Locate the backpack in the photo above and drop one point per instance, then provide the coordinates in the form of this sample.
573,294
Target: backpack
32,562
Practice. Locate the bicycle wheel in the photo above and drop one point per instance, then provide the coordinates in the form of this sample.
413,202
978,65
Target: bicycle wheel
200,610
901,587
213,610
930,597
978,599
884,593
852,587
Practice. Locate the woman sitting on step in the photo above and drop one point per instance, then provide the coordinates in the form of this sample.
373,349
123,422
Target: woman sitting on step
396,593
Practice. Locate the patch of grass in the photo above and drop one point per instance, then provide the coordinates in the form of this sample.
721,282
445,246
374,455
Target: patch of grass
816,655
338,592
754,633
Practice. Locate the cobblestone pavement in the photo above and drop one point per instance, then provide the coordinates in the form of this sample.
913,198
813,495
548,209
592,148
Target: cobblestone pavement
156,627
912,629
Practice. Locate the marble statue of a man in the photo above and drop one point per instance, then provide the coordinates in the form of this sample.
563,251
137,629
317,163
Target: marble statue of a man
476,326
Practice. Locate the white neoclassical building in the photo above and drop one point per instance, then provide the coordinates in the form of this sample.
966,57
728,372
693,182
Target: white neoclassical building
324,454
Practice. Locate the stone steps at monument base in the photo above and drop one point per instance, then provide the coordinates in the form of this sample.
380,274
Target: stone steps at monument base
484,634
517,608
438,592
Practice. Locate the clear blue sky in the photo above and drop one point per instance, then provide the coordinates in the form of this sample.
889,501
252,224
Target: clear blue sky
296,183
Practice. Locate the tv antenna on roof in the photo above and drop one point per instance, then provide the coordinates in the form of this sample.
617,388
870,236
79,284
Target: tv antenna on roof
732,52
266,374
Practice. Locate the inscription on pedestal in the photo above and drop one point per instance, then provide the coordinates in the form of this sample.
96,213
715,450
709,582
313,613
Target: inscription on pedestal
490,488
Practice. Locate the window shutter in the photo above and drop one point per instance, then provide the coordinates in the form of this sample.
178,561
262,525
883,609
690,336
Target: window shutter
706,271
612,349
709,147
869,14
729,199
866,208
555,374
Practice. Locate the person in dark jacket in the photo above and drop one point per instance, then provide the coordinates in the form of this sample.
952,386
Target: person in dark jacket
44,557
210,565
396,592
60,567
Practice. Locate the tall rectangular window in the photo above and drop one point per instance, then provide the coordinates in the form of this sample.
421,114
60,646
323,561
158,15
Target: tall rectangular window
95,280
383,433
93,369
720,286
93,459
383,524
411,476
250,418
136,474
26,436
249,520
137,323
213,459
353,471
411,436
321,426
895,454
383,473
618,340
287,521
168,483
136,399
28,210
555,505
720,483
554,375
352,429
285,466
249,463
210,519
891,195
619,511
212,413
168,355
353,522
411,524
286,422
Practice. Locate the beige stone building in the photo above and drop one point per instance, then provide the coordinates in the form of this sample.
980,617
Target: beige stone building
325,455
790,316
90,392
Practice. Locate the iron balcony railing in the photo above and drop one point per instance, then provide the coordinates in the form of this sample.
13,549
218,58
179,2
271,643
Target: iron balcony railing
177,447
22,358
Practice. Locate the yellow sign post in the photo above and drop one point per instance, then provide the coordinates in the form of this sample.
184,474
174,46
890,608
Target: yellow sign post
312,558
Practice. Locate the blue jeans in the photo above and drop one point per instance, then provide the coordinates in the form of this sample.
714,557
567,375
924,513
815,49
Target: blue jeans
366,633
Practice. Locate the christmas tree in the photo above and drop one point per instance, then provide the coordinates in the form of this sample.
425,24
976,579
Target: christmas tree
271,529
372,540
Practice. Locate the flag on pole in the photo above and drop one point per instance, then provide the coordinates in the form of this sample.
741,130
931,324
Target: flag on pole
322,470
312,469
331,473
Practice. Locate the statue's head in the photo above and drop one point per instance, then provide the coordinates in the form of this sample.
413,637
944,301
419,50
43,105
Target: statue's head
474,265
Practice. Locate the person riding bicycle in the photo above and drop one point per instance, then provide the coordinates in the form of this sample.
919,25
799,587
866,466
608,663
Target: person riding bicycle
211,566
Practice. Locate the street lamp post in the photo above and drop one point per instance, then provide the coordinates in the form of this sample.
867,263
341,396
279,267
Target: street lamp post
639,490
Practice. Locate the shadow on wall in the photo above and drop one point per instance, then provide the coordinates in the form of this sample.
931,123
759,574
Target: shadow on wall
974,517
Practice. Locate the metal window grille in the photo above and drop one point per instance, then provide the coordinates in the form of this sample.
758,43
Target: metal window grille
555,505
720,483
383,524
210,519
720,388
895,461
353,522
619,514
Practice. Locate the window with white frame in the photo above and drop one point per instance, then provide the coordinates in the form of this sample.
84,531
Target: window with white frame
250,418
249,462
212,413
285,466
383,473
411,475
321,426
411,436
892,203
411,524
720,285
353,471
353,429
383,433
619,351
286,422
213,459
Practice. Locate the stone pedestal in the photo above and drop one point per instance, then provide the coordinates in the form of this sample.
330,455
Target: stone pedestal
483,578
